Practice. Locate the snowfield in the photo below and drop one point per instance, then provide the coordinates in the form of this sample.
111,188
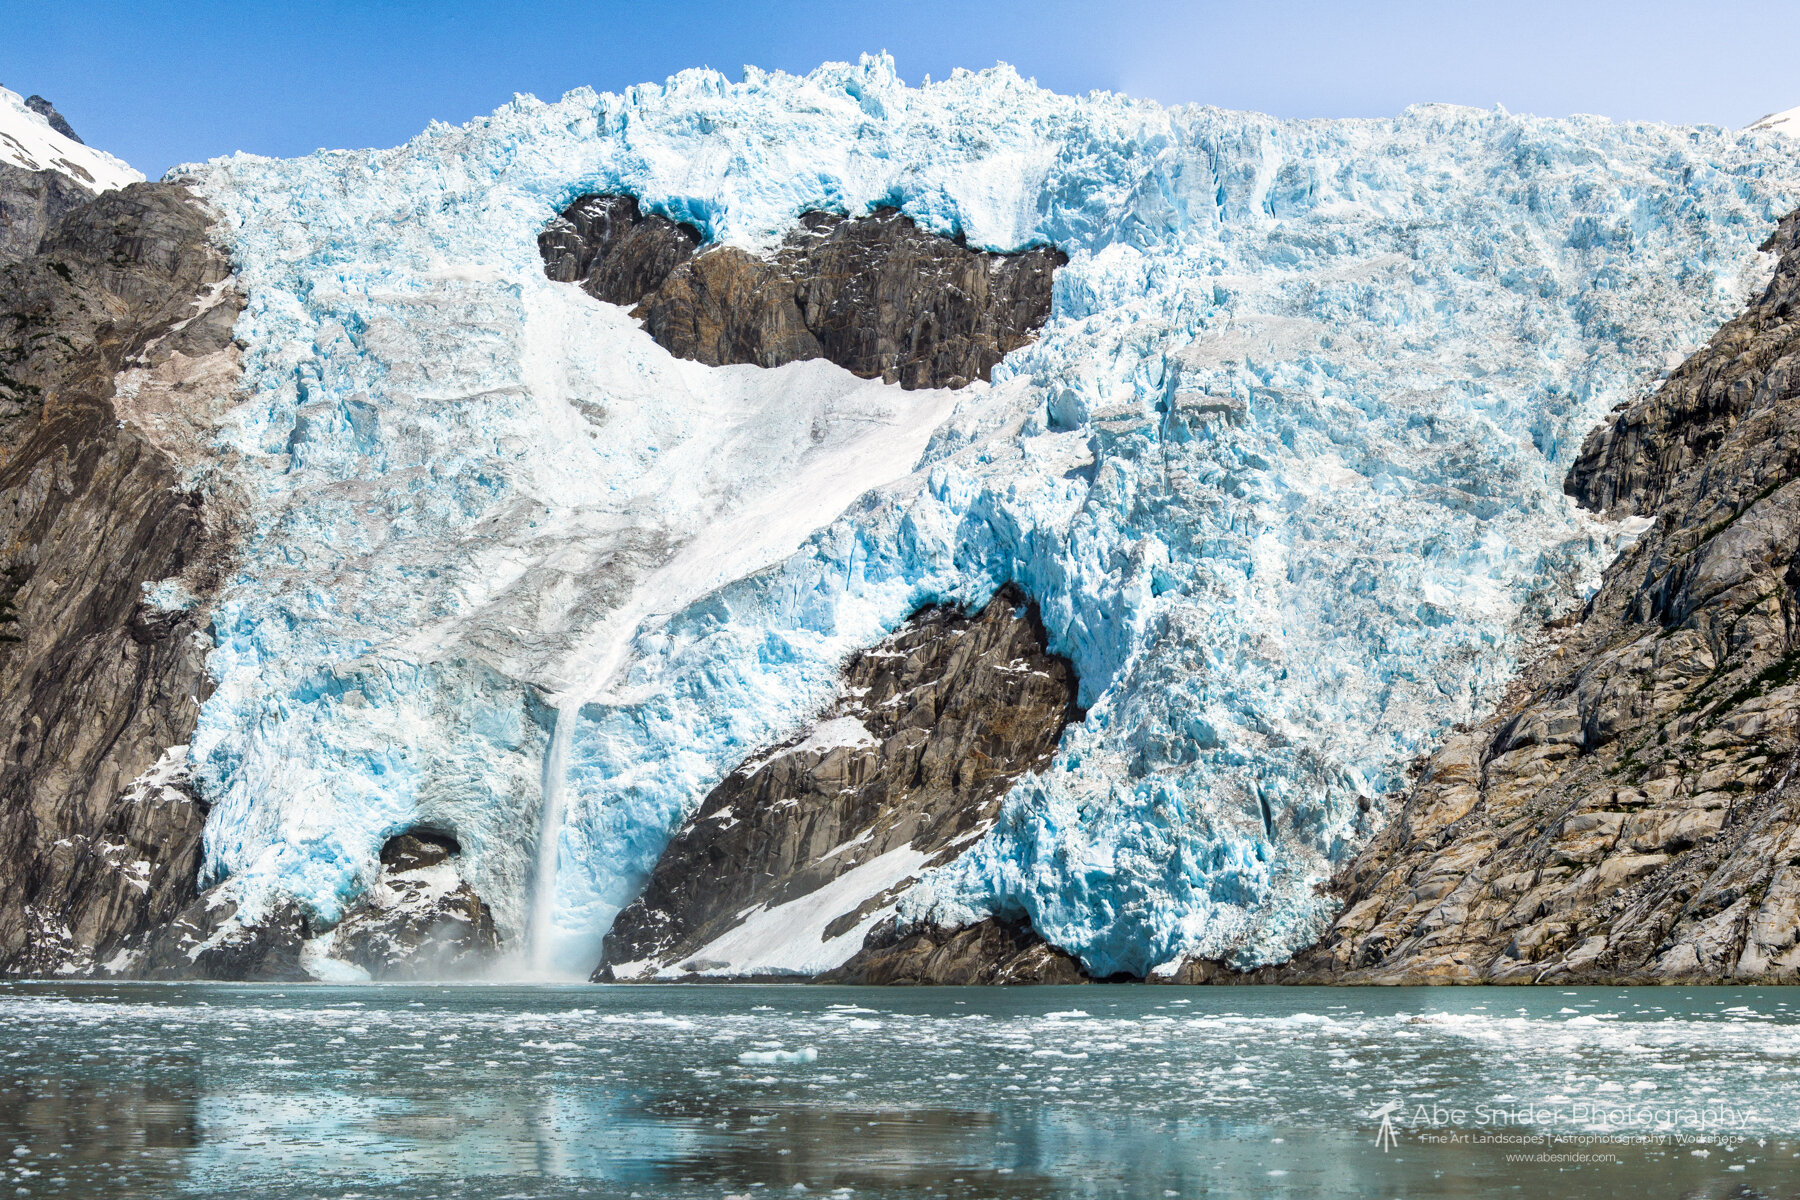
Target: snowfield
1787,121
27,141
1283,472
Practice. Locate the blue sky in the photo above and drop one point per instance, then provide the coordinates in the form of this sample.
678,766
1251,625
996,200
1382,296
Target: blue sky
160,82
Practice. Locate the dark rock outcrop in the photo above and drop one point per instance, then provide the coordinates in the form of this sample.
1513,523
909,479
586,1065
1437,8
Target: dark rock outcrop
47,110
877,295
1631,464
932,727
1631,812
614,251
99,829
417,850
988,952
420,920
33,202
204,941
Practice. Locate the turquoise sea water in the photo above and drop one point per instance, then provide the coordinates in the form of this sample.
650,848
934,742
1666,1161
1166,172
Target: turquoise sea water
716,1091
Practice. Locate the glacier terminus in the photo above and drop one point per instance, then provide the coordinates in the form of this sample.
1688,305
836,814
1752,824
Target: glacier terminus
1282,472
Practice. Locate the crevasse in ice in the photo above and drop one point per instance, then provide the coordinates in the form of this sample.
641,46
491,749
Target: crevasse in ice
1283,472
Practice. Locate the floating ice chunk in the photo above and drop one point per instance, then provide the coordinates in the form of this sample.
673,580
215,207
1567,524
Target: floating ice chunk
805,1054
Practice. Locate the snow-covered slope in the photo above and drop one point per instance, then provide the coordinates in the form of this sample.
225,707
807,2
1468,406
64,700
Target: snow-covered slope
1787,122
26,140
1283,471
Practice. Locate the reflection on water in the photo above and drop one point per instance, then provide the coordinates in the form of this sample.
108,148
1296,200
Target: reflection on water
488,1092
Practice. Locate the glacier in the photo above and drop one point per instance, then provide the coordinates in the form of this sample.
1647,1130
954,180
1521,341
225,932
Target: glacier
1283,472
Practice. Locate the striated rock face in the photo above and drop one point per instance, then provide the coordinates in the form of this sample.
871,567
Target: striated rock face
114,341
31,204
876,294
1631,812
801,852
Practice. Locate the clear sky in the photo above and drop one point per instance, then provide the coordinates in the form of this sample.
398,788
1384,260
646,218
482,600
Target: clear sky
165,81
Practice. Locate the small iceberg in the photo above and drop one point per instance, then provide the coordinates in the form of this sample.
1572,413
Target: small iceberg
805,1054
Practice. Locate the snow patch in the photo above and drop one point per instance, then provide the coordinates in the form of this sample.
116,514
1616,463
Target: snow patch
162,782
789,939
1787,122
834,734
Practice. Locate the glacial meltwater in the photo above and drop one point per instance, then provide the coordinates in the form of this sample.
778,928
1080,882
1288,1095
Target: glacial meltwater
268,1092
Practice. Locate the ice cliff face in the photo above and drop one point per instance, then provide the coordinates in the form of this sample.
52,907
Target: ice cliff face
1282,472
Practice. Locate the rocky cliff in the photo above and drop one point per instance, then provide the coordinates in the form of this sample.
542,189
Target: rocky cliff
115,341
31,204
1629,813
46,172
877,295
801,853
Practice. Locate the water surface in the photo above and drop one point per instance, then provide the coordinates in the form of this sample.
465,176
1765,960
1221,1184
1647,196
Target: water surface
715,1091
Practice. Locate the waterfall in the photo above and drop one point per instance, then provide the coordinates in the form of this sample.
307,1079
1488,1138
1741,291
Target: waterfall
540,933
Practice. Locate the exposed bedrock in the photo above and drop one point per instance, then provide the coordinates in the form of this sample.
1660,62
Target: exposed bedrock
877,295
802,852
99,827
31,204
1631,812
204,941
58,122
991,951
1634,463
615,252
417,920
420,920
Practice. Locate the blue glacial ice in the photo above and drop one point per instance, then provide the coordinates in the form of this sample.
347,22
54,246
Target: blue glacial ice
1283,471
